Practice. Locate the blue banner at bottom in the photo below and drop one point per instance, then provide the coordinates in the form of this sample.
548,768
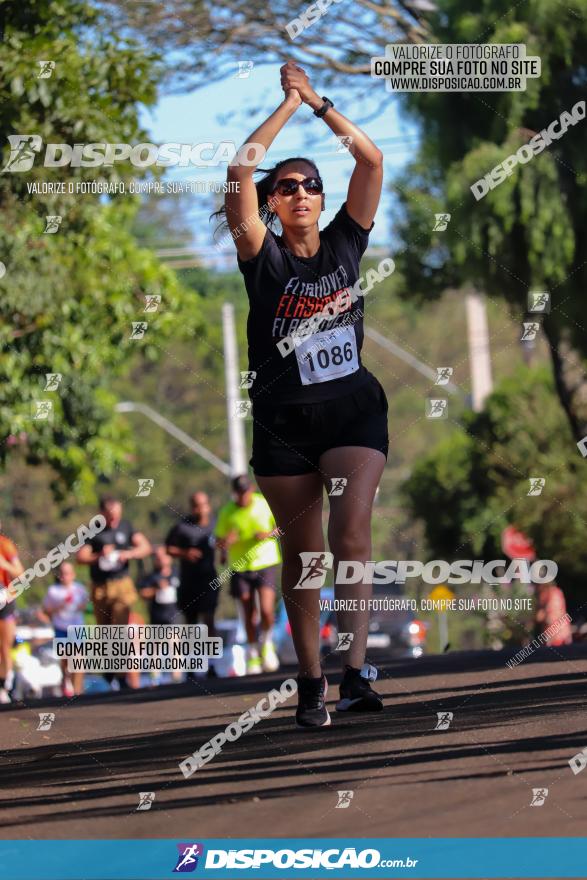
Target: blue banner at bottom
285,858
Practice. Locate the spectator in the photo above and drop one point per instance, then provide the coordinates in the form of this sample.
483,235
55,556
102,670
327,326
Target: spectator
551,607
64,605
191,541
245,534
10,568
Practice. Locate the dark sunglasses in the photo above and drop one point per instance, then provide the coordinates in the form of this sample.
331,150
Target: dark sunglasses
288,186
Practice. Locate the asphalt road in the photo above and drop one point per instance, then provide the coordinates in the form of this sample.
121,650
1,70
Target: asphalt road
512,731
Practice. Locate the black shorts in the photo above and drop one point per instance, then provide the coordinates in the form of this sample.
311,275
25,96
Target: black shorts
289,438
196,600
8,611
242,583
163,614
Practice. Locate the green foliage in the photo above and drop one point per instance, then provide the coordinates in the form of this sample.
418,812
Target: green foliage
476,482
68,300
529,230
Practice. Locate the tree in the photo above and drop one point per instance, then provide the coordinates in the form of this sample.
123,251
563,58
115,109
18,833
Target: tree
340,43
528,233
68,300
476,481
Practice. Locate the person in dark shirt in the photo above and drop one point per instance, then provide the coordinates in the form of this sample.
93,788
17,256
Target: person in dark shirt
191,541
108,555
319,416
160,589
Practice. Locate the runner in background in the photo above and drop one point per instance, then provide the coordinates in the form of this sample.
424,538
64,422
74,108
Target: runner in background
108,555
160,590
245,533
64,606
10,568
192,541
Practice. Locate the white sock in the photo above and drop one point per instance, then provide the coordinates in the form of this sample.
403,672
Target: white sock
266,636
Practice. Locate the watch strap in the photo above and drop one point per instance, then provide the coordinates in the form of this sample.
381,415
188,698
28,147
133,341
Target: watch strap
324,108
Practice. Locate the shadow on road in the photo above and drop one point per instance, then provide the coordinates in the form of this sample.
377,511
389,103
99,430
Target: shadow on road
276,760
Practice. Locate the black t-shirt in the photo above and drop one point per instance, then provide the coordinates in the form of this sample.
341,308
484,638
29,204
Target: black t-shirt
187,533
284,292
104,569
165,586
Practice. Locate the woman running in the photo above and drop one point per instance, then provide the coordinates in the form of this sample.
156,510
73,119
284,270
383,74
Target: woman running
318,414
10,568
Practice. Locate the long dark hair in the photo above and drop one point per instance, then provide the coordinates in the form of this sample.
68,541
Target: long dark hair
264,187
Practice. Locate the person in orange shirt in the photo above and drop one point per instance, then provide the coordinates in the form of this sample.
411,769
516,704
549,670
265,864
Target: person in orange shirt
10,568
551,608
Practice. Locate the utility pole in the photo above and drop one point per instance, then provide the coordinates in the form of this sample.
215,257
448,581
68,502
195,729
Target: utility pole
479,354
409,359
130,406
236,431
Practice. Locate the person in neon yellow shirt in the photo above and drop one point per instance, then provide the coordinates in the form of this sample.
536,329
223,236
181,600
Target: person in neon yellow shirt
245,534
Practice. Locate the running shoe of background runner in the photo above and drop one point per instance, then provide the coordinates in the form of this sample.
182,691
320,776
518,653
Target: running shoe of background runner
356,693
4,698
269,657
254,663
312,711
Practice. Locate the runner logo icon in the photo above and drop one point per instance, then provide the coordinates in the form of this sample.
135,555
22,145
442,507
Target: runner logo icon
46,719
187,860
23,151
539,796
314,568
444,719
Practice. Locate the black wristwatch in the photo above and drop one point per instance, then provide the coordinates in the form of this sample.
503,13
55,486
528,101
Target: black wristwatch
325,106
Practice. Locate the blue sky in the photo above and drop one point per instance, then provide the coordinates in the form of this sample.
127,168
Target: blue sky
230,111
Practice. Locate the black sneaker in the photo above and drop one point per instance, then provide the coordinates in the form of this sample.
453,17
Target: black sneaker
211,671
356,693
312,711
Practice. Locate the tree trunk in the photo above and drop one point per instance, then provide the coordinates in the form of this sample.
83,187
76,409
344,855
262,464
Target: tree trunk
570,378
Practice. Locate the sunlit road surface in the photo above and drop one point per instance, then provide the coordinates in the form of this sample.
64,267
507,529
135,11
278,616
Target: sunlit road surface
512,731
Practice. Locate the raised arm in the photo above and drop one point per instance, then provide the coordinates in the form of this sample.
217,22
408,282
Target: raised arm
364,189
242,208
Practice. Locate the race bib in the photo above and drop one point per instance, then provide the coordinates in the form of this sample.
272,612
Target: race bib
325,356
166,596
110,562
